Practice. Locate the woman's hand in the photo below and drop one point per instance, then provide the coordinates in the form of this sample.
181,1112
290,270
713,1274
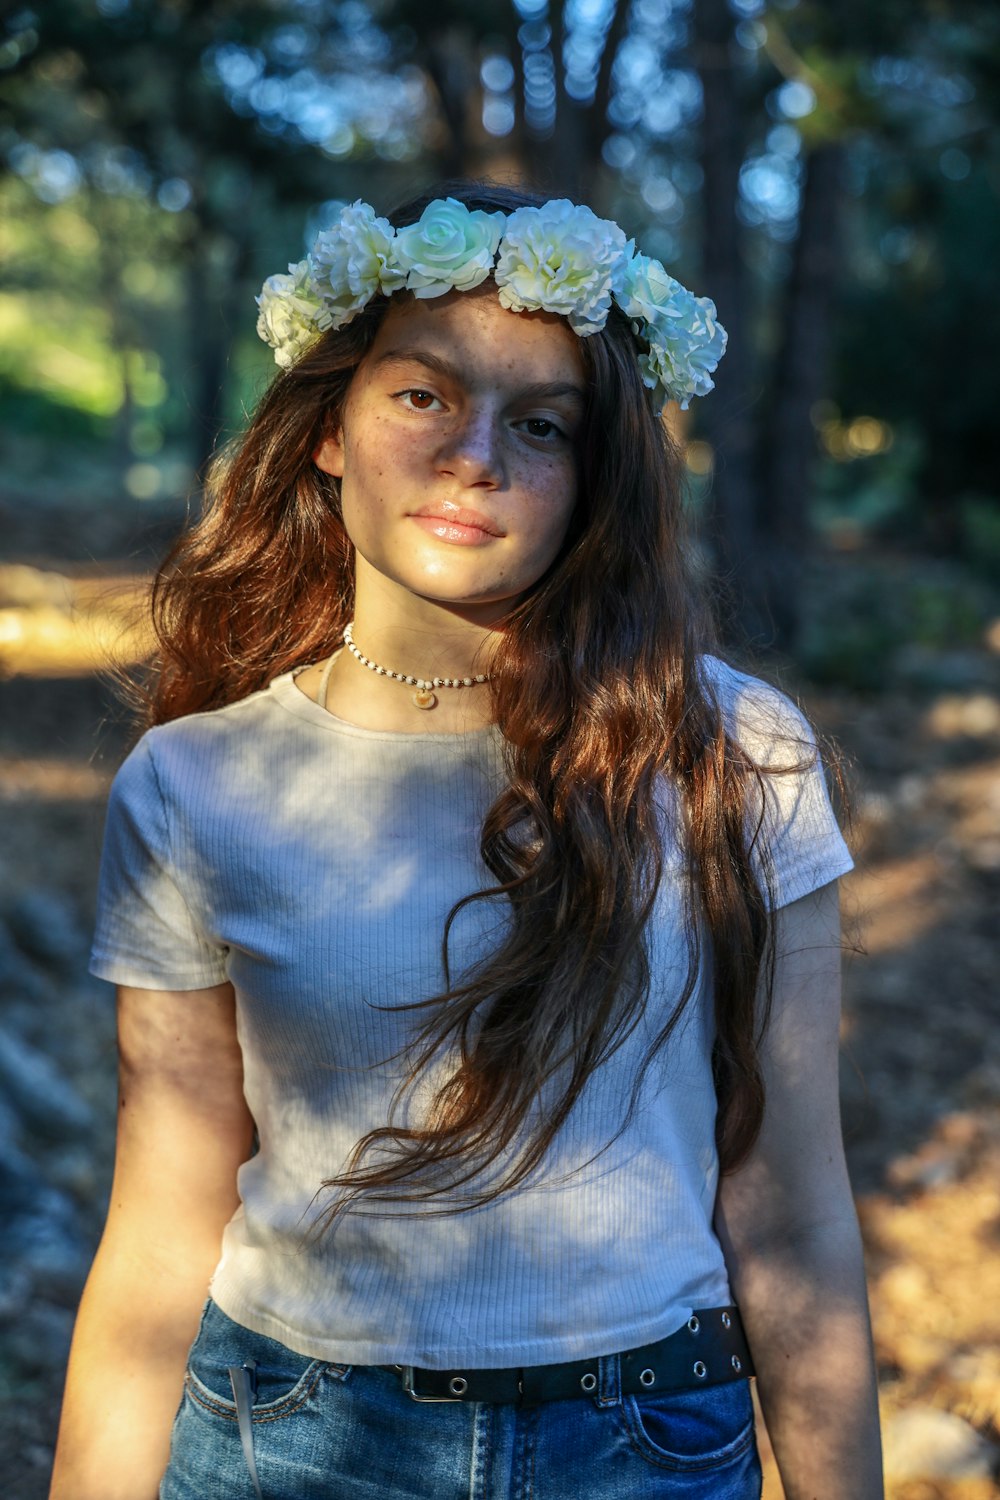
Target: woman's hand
183,1131
789,1231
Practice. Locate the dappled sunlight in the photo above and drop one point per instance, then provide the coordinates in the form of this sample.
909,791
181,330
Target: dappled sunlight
964,715
972,799
61,352
931,1228
898,893
50,779
896,901
922,1105
60,625
325,911
845,467
859,438
934,1273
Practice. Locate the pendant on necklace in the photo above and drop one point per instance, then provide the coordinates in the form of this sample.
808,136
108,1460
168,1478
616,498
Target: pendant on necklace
424,698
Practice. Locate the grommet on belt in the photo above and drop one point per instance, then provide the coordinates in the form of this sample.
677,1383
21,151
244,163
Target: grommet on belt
665,1364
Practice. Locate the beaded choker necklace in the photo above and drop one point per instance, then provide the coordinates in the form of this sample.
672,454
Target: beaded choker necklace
425,696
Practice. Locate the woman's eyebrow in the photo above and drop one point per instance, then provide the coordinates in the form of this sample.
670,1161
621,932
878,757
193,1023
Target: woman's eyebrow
538,390
408,355
548,390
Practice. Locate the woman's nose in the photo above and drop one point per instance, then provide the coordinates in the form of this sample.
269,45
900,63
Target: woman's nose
473,450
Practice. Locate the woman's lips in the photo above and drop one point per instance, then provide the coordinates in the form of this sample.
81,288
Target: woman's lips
468,528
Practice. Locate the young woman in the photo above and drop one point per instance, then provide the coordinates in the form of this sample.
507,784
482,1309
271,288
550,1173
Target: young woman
475,929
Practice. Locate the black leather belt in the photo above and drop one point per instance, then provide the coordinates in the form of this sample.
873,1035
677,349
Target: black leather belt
709,1349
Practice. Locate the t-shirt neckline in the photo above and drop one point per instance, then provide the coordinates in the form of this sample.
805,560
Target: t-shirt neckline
291,697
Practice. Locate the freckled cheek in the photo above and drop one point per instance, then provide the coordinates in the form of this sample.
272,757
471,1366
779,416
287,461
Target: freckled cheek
367,466
551,481
554,493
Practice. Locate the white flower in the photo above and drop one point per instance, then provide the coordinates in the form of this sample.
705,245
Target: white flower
648,291
288,314
686,342
449,248
351,262
563,258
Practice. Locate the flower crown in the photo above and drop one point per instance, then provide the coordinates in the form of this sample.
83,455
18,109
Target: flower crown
561,258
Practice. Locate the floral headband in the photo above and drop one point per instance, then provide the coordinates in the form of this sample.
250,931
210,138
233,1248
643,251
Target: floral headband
561,258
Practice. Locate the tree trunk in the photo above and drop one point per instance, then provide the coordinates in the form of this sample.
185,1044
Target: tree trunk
565,174
788,441
447,57
215,308
581,129
727,418
107,221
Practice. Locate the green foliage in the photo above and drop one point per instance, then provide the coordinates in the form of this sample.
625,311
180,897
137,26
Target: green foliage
980,532
872,498
128,304
867,611
30,411
920,330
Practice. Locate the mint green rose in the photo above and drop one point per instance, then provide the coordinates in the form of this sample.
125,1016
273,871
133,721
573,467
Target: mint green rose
686,342
450,248
648,291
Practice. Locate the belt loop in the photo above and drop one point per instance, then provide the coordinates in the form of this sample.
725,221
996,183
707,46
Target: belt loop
609,1380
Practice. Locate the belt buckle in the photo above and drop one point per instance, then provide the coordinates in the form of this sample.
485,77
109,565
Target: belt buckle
407,1373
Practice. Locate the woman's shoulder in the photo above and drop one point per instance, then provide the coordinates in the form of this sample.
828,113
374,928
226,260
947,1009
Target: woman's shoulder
196,740
760,717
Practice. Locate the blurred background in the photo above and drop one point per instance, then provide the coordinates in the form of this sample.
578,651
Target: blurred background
830,174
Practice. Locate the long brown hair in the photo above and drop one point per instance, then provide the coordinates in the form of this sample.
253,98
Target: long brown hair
598,693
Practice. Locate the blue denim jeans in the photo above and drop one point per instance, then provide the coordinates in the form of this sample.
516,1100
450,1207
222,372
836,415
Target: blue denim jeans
343,1433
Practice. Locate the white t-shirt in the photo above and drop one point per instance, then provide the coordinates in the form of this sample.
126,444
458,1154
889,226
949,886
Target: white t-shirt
313,863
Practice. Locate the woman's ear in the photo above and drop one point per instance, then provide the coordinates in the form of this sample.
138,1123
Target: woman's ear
329,456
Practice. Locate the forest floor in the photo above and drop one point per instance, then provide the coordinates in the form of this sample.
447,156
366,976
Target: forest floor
921,1048
920,1078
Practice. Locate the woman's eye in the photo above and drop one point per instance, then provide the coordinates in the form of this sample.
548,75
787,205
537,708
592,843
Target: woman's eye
418,400
541,427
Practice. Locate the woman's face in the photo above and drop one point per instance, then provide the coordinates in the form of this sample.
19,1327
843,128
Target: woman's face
458,450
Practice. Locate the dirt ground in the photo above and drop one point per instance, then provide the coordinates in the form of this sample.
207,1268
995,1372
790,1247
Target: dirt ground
921,1057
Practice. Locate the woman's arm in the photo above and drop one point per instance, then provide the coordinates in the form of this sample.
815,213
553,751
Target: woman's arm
183,1130
790,1235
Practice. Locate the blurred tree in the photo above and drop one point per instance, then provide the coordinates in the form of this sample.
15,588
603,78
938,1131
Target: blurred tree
522,85
790,94
154,100
803,162
920,326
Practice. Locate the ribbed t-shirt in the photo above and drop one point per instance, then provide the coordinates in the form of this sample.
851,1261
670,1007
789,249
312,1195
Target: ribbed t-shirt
313,863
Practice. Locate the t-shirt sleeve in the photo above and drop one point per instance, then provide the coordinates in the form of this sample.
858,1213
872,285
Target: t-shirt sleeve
147,933
797,846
